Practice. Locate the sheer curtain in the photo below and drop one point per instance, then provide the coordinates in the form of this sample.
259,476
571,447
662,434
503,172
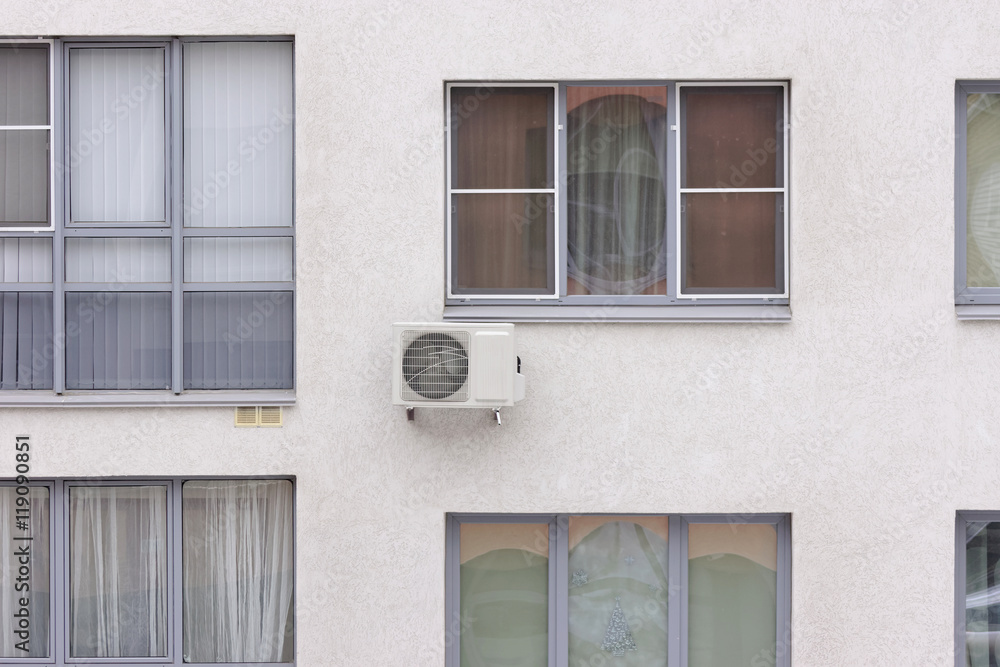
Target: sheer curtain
616,190
618,563
118,571
238,563
38,579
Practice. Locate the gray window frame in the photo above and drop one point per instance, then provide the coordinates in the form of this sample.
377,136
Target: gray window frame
63,228
677,607
971,303
59,585
621,308
53,50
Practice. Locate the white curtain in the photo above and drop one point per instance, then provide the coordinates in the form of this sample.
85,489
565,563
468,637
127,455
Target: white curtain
116,133
238,565
38,577
118,571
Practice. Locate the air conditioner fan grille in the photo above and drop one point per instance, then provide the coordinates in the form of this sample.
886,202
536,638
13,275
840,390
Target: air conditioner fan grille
435,365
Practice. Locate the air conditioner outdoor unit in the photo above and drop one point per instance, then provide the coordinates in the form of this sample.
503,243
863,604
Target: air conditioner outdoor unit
447,365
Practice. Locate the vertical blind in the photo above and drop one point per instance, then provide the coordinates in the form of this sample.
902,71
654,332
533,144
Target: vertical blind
236,151
116,133
24,154
238,340
238,134
26,351
223,260
118,260
24,260
24,176
118,340
25,69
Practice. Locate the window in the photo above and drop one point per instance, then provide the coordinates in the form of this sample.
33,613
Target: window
171,572
977,199
663,590
162,262
648,198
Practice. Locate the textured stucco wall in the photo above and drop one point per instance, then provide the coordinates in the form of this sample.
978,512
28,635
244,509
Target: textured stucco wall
870,417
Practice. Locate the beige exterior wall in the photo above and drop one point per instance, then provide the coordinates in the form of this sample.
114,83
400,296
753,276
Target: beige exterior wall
871,417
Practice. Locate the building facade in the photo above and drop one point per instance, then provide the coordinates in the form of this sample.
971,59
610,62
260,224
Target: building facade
847,409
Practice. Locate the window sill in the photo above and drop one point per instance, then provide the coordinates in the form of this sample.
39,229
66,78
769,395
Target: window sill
46,399
758,313
983,311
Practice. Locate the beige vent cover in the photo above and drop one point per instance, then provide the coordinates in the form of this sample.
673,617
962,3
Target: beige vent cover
251,416
269,415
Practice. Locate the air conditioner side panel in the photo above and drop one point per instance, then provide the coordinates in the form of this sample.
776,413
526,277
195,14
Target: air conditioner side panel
492,368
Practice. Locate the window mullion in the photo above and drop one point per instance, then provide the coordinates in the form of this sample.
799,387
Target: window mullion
559,602
562,201
60,213
60,569
678,598
175,219
176,571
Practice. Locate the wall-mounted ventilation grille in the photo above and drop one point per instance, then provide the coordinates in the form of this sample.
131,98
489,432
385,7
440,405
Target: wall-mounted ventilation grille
246,416
249,416
270,415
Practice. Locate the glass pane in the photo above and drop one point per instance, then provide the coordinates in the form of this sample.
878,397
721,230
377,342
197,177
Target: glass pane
618,590
24,260
118,571
237,260
616,190
118,340
502,138
732,242
238,571
238,340
116,103
732,594
732,137
238,134
26,340
503,243
24,177
19,522
983,190
24,76
504,605
982,593
118,260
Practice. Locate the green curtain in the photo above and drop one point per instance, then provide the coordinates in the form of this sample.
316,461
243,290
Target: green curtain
731,612
504,609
